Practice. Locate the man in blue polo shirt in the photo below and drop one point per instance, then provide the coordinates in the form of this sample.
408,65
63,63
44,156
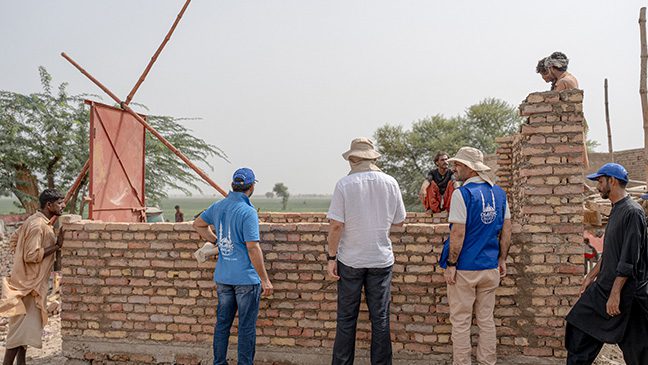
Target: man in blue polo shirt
240,273
475,255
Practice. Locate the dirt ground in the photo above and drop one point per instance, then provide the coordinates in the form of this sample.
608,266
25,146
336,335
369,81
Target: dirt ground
50,354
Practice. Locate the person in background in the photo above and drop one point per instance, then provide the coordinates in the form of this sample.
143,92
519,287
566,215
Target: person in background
436,190
179,216
556,65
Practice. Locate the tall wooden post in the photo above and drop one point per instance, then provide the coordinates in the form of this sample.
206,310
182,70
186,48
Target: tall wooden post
607,121
643,87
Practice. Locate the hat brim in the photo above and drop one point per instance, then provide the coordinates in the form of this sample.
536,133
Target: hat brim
475,166
364,154
594,176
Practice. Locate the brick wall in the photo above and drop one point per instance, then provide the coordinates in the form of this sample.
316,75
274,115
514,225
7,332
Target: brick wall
132,293
632,160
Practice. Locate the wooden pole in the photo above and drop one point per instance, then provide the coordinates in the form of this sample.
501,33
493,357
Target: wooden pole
643,88
607,121
75,185
157,53
154,132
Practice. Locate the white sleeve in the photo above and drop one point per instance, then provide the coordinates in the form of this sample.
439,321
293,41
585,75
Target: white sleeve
336,209
458,212
400,215
507,212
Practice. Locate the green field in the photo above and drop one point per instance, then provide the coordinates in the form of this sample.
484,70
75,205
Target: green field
194,205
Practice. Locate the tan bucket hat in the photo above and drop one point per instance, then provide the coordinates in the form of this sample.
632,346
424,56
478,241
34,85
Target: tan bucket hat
474,159
362,147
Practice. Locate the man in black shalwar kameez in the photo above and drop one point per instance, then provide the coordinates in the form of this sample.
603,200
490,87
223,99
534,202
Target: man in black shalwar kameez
607,311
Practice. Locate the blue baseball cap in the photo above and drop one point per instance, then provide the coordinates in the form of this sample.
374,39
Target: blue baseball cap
611,169
243,176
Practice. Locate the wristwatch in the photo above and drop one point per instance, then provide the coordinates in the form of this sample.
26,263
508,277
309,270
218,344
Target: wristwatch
331,258
451,263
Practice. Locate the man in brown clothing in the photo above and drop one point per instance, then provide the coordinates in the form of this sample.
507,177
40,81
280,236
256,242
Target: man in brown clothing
556,65
24,293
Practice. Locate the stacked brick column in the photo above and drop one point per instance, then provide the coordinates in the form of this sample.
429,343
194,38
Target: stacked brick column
546,193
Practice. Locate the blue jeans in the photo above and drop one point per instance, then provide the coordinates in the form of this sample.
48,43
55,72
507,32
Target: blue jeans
246,299
377,287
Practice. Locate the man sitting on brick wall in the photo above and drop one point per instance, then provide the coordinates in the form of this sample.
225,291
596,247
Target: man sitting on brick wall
436,190
24,293
365,204
240,273
480,236
608,310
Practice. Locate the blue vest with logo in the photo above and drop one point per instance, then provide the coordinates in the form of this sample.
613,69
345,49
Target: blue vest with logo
485,207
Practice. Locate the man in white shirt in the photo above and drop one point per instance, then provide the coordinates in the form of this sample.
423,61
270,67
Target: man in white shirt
365,205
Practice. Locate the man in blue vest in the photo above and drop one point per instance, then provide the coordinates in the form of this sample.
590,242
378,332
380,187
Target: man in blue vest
474,258
240,273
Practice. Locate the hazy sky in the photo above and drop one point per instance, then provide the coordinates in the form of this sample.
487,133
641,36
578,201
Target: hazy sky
282,86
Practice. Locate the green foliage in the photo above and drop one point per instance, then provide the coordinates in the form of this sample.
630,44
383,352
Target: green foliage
282,191
163,168
489,119
408,155
40,135
44,143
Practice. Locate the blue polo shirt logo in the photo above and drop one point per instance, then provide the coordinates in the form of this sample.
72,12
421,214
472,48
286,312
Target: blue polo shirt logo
225,244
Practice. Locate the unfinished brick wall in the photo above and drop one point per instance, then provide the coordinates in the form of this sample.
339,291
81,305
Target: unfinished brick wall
132,293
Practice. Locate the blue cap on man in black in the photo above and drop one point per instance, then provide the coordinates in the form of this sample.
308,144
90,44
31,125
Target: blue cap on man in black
243,176
611,169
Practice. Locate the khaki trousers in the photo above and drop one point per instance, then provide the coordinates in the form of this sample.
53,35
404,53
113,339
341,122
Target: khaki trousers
473,290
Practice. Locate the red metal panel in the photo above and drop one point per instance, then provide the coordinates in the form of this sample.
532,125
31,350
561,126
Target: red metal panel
117,143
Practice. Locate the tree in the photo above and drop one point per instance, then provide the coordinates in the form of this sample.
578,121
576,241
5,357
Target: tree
44,143
408,154
282,191
269,195
489,119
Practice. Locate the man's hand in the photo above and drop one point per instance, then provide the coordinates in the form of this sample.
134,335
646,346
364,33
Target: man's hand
502,267
450,275
332,269
612,306
586,283
267,288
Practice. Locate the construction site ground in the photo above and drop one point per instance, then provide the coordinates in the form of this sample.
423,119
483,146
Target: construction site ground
51,353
